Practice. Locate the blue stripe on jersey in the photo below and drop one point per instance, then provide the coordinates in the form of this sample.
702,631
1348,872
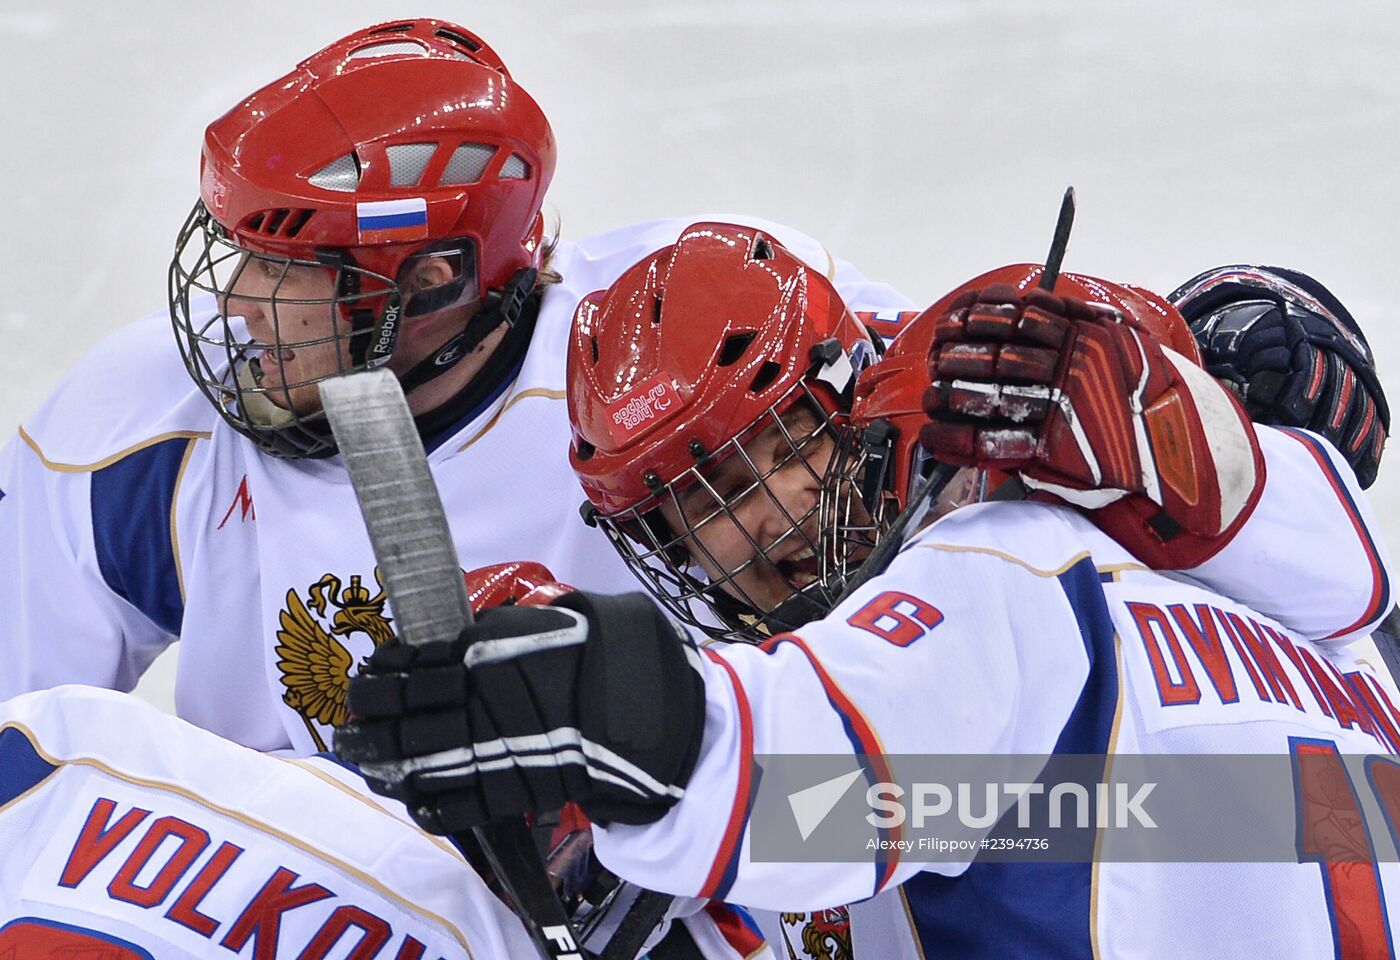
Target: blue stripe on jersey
997,910
1381,599
21,767
1091,721
131,502
745,918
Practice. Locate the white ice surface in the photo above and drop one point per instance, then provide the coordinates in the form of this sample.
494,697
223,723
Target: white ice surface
926,141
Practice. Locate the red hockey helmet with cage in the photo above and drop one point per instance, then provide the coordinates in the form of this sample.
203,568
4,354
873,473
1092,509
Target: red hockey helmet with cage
403,140
892,390
689,354
385,141
687,350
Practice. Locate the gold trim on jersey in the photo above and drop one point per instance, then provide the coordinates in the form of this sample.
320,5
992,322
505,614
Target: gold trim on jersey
174,531
1009,558
108,461
370,802
913,927
523,395
366,878
43,782
1116,570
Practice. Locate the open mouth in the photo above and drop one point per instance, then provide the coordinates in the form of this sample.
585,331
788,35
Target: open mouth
275,357
799,569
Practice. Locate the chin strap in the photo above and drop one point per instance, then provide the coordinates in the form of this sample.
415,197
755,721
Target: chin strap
501,306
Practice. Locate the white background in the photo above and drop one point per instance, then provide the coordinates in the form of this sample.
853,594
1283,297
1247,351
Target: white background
926,142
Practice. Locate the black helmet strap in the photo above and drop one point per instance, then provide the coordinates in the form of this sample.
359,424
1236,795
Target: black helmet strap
501,306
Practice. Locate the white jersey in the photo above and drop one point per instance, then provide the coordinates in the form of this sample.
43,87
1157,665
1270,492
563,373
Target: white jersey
125,829
127,833
131,515
1019,628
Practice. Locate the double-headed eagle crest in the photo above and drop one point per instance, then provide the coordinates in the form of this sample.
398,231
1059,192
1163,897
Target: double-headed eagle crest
315,666
825,934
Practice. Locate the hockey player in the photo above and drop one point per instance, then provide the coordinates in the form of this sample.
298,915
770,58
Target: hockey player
379,205
127,833
1005,628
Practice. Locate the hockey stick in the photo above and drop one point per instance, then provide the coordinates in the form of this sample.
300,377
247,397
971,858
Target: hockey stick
413,545
943,473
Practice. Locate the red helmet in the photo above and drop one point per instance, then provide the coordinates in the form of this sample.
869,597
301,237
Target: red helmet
403,139
690,354
881,456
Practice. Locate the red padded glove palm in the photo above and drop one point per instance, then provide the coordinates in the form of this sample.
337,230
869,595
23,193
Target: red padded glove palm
1084,403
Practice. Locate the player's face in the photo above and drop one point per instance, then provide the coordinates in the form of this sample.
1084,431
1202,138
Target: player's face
753,518
291,315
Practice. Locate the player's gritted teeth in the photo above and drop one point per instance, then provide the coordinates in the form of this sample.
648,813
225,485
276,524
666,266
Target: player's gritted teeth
799,569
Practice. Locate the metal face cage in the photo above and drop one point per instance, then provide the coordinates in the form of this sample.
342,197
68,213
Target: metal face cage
773,575
858,502
241,365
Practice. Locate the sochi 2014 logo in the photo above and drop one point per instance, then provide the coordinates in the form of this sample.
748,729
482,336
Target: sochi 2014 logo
647,403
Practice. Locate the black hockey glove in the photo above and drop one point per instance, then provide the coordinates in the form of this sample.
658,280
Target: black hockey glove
595,699
1293,354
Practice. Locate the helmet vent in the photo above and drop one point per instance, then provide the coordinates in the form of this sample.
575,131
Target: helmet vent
467,163
407,161
461,40
341,175
403,27
388,48
762,249
586,450
595,349
515,168
294,224
283,221
734,346
765,377
656,310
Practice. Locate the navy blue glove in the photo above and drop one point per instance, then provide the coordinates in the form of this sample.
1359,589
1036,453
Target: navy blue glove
1293,355
594,700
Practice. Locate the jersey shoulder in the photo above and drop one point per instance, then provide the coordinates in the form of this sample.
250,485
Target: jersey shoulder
1040,537
129,390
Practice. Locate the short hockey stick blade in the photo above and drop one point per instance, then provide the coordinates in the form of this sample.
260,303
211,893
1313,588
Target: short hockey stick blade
1059,242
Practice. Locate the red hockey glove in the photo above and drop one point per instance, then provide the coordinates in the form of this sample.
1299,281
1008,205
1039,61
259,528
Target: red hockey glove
522,583
1087,406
